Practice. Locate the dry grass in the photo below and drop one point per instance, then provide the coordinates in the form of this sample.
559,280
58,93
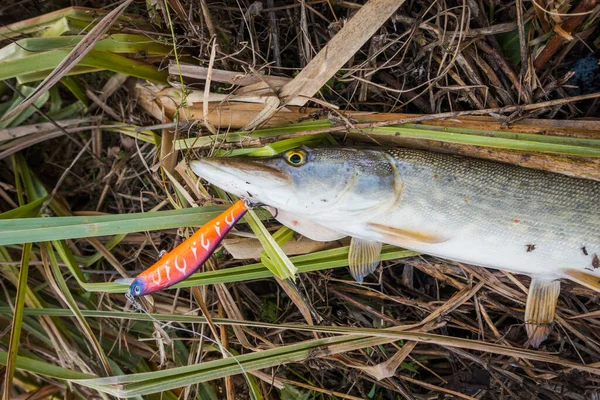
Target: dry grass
106,143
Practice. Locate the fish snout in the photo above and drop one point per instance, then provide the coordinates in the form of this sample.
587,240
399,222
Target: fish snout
205,167
250,170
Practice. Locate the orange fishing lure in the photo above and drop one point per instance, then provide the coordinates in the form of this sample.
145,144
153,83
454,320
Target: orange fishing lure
186,258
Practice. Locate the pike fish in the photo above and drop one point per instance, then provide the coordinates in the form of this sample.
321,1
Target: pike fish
485,213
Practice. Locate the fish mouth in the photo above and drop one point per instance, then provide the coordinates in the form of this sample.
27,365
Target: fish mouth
241,176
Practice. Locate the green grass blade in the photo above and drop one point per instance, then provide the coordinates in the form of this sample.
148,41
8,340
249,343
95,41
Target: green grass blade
350,339
25,230
152,382
353,339
281,237
572,141
146,136
486,141
116,43
55,100
486,138
17,321
198,141
48,60
398,332
32,298
37,76
279,263
33,186
287,129
76,88
44,369
82,14
72,111
68,298
318,261
25,114
279,146
67,256
26,211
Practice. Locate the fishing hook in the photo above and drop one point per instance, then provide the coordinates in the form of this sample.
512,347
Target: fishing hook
253,204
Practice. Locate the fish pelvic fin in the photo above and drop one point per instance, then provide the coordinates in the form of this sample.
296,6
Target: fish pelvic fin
363,257
402,237
540,309
583,278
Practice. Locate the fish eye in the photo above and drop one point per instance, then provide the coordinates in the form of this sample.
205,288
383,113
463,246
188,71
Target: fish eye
136,289
296,158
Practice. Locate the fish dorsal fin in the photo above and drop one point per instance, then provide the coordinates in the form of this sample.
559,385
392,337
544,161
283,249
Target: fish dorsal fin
363,257
307,227
583,278
540,309
402,237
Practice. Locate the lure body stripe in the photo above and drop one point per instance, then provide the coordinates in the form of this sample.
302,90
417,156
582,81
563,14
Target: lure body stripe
189,255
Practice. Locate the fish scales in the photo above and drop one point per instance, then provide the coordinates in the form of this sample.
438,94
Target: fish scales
497,215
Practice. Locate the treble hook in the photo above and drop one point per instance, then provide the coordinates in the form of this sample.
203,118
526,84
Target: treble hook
252,203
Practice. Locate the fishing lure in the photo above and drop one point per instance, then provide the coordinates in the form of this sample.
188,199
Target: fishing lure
186,258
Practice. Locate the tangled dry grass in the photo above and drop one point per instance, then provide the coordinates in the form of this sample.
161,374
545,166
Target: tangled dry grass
123,151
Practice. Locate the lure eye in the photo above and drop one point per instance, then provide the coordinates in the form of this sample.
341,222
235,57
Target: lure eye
296,158
137,290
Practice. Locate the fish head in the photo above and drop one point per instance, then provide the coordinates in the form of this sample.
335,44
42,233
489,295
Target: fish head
323,183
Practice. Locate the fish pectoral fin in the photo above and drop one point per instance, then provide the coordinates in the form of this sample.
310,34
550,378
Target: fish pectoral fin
583,278
540,309
363,257
401,237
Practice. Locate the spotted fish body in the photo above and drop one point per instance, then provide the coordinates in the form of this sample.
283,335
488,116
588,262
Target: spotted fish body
186,258
470,210
496,215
